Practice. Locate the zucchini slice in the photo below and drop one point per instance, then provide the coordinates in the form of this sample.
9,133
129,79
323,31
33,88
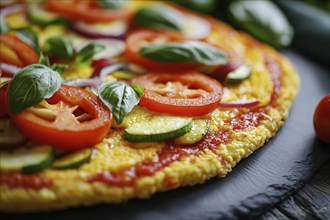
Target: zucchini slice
238,75
27,160
39,16
158,128
198,131
73,160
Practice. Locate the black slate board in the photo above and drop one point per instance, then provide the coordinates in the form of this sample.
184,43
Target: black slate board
257,183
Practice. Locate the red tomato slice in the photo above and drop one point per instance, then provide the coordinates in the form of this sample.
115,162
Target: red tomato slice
86,10
16,52
138,37
186,94
4,99
71,119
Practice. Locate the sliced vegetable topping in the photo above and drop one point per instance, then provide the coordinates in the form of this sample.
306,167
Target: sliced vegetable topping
159,17
86,10
73,160
31,85
186,94
158,128
27,160
38,15
120,98
112,29
71,119
199,130
16,52
238,75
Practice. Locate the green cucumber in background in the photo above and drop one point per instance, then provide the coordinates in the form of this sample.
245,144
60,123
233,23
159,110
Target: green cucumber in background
312,28
262,19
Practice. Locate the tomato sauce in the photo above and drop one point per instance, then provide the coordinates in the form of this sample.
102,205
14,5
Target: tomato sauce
164,158
28,181
275,70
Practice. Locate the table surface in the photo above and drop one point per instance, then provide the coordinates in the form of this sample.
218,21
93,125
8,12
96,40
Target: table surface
312,201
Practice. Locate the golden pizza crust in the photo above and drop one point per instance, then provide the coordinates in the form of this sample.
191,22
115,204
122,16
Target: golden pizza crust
71,189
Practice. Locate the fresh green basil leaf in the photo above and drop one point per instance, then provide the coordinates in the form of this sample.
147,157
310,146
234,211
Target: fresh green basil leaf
111,4
85,55
264,20
119,97
59,67
159,17
43,59
31,85
59,47
184,52
29,37
3,25
138,89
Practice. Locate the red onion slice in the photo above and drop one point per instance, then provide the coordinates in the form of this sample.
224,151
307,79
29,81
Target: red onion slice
103,71
4,12
84,82
9,70
114,29
245,104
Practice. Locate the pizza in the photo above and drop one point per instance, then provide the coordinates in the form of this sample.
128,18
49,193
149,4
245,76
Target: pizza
104,101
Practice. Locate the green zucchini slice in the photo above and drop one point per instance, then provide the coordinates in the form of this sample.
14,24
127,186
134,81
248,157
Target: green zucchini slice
199,130
158,128
74,159
238,75
27,160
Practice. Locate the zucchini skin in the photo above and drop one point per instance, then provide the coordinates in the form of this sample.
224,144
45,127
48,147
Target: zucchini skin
69,162
158,137
41,166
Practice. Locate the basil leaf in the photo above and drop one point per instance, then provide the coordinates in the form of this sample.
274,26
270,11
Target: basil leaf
31,85
111,4
3,25
59,47
138,89
43,59
29,37
184,52
85,55
159,17
59,67
264,20
119,97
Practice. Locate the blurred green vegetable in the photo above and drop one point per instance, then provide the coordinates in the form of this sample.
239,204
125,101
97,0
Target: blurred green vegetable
322,4
263,19
203,6
312,28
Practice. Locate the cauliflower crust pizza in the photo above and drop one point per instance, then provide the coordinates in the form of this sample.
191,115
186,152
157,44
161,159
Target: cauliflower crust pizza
102,102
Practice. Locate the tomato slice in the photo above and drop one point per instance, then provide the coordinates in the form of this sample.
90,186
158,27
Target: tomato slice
16,52
71,119
185,94
138,37
4,99
86,10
